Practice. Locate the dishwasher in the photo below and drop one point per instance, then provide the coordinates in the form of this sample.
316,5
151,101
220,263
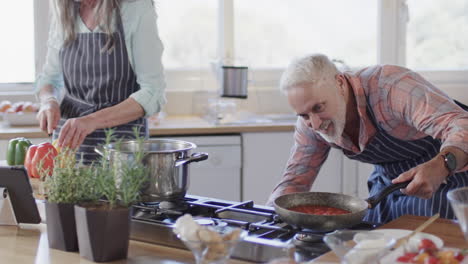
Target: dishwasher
221,175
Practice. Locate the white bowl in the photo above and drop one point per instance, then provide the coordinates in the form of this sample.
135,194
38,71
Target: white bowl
20,119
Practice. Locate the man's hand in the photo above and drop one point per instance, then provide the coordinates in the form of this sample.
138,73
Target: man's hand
75,130
49,116
425,178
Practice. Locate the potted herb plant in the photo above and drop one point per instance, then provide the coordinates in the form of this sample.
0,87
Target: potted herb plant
103,226
64,188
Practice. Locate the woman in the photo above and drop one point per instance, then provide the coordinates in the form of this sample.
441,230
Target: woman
107,56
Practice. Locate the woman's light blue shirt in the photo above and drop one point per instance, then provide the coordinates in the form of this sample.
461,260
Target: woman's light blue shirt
143,45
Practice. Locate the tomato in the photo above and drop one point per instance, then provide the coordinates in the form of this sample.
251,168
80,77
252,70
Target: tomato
459,256
427,244
407,257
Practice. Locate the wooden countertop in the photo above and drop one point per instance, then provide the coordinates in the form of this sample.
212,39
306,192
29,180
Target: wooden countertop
447,230
26,244
174,125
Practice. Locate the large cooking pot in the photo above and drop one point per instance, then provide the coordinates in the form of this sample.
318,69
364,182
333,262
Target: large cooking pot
358,208
167,161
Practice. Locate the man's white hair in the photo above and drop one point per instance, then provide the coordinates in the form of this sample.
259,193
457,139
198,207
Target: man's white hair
313,68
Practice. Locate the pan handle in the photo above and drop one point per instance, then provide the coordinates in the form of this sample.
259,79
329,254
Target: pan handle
374,200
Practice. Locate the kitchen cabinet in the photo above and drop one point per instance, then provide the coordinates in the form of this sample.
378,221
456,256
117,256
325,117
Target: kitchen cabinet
264,159
220,175
364,171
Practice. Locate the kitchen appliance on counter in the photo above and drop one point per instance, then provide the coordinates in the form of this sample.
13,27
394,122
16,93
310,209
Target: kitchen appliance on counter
233,81
268,236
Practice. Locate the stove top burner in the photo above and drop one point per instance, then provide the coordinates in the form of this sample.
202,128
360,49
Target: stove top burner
168,205
268,236
302,239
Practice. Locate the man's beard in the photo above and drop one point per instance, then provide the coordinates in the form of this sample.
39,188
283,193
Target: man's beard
338,122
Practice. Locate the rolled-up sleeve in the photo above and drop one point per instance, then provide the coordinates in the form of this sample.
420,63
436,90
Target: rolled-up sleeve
147,50
307,157
423,106
52,72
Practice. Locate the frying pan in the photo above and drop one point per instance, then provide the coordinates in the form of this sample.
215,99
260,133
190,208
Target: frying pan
357,206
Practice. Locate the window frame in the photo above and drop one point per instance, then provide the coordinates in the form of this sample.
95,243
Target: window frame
391,34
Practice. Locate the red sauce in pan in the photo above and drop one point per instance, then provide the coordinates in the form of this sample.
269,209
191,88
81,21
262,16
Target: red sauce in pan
318,210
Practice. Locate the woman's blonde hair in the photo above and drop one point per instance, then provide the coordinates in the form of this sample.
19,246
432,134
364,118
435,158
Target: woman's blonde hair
103,10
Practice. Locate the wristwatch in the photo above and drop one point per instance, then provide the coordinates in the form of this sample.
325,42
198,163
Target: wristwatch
450,162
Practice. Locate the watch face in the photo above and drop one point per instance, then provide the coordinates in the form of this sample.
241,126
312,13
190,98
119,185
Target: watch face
450,161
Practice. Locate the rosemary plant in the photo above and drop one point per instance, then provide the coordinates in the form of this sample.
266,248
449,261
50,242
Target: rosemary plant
120,181
70,183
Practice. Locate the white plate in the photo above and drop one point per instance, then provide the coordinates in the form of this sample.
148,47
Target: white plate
20,119
412,243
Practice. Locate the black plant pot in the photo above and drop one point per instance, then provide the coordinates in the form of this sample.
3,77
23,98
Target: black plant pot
61,228
103,234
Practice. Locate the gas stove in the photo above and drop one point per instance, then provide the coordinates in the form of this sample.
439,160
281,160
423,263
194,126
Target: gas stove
268,236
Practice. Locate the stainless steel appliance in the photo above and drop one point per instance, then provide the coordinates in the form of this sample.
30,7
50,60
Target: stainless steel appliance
233,81
268,236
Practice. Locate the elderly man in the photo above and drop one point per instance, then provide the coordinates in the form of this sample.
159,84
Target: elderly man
385,115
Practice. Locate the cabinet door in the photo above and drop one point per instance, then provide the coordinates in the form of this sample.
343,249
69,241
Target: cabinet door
364,171
220,175
263,162
264,159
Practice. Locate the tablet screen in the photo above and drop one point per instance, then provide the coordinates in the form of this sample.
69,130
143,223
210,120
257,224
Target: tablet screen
16,180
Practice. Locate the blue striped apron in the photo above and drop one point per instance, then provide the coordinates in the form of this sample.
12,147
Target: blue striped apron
391,157
95,80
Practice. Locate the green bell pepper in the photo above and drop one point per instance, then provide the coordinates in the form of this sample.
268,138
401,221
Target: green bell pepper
16,150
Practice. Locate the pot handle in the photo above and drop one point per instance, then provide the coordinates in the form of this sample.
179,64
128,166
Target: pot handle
374,200
198,156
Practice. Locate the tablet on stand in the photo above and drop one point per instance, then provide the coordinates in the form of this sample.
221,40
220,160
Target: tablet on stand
7,216
17,203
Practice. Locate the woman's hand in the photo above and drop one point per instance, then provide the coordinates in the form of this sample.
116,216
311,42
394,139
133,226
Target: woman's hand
425,178
75,130
49,116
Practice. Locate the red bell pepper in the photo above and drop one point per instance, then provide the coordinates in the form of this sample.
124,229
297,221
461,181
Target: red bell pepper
39,161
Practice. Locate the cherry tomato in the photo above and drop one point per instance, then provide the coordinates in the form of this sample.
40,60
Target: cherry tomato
427,244
459,256
407,257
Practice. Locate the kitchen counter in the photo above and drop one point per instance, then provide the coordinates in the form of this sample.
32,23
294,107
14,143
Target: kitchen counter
26,244
173,125
447,230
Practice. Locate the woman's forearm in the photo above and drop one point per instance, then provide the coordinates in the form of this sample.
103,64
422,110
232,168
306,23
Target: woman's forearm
119,114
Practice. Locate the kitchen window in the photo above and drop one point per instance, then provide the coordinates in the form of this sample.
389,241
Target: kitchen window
17,45
188,31
437,35
267,35
427,36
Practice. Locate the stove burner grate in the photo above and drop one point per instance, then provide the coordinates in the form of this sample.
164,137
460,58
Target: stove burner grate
267,235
